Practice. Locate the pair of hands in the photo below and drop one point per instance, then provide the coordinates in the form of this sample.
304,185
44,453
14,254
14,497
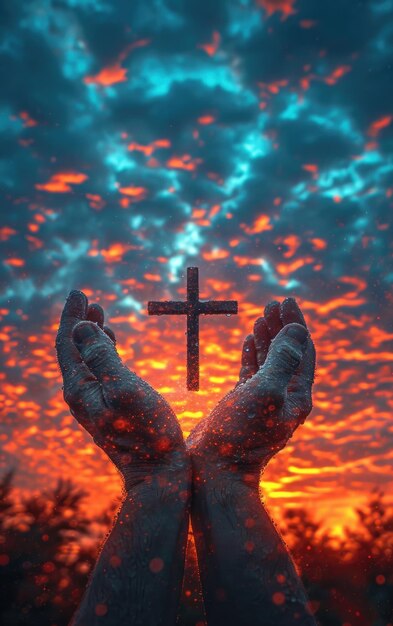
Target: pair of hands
137,428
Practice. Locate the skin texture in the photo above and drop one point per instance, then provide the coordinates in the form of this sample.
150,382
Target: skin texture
137,578
247,575
246,572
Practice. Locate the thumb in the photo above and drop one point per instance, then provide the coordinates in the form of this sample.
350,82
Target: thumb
98,352
284,357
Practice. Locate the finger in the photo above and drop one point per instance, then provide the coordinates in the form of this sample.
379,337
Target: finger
108,331
74,311
100,355
273,319
249,360
76,375
95,313
283,359
300,386
262,340
290,312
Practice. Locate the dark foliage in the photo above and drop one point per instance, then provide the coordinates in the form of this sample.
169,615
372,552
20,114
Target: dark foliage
43,568
47,553
349,582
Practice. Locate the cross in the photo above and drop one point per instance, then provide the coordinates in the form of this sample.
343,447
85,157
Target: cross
193,308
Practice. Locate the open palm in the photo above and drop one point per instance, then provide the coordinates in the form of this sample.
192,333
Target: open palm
273,396
126,417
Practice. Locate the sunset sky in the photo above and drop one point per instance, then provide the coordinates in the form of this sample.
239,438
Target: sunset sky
252,138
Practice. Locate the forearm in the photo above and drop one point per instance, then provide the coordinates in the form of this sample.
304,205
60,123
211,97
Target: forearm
138,575
246,572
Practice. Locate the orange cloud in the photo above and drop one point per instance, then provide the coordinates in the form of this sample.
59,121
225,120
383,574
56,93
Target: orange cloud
6,232
62,181
137,193
260,224
376,127
185,162
215,254
15,262
206,119
108,76
283,6
338,73
212,47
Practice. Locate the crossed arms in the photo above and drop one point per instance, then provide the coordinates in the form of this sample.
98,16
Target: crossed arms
247,576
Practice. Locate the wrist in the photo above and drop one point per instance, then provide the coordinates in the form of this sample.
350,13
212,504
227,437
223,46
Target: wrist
171,477
210,473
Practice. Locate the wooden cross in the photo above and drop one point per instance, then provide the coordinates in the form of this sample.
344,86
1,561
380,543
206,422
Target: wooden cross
193,308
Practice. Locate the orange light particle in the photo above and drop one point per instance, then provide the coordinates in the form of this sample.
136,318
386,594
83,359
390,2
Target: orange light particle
163,444
101,609
48,567
156,565
278,598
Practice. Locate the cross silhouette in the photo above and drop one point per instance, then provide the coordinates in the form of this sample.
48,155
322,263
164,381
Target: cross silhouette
193,308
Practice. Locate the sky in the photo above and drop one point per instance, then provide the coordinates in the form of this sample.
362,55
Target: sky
250,138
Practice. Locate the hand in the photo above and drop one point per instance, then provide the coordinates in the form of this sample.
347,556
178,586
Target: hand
126,417
272,398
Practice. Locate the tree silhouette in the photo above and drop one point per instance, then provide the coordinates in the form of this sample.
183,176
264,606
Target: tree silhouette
373,555
348,581
44,571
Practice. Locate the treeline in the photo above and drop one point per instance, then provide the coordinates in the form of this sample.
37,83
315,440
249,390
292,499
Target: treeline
47,553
